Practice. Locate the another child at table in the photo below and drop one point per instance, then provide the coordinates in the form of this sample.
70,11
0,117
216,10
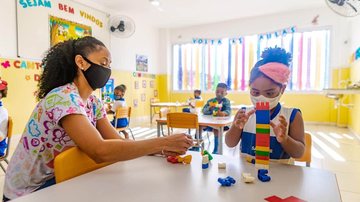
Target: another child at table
218,106
192,101
3,118
268,80
68,114
119,101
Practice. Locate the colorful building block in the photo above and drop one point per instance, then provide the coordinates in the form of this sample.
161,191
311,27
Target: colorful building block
247,178
222,165
205,152
227,182
263,175
262,140
205,162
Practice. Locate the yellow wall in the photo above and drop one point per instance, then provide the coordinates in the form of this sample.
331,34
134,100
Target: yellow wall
21,100
354,114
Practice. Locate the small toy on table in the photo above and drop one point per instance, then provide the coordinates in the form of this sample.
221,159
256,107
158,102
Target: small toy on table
205,162
222,165
263,175
226,182
247,178
205,152
178,159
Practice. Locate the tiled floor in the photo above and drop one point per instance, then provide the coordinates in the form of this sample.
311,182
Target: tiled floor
335,149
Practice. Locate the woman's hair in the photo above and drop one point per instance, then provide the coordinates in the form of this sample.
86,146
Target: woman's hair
59,67
276,54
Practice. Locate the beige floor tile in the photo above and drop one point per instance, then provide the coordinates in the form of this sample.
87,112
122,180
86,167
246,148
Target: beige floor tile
350,196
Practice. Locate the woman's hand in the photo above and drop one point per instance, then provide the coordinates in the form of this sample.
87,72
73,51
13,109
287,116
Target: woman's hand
242,117
280,129
177,144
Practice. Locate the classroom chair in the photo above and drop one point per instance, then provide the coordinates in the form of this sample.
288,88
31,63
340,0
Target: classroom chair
8,136
186,121
72,163
163,113
307,154
123,112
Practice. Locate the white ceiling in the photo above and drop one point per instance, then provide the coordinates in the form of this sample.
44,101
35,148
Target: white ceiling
179,13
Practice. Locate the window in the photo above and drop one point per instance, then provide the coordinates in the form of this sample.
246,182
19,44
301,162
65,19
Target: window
204,65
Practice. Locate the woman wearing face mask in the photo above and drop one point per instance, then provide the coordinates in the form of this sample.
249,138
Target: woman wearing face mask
69,115
268,81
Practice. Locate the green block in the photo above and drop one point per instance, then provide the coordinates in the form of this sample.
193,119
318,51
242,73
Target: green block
262,153
262,130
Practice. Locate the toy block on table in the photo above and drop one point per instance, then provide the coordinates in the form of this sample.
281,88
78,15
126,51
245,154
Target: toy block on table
250,160
205,152
178,159
247,178
226,182
222,165
262,140
205,162
263,175
288,199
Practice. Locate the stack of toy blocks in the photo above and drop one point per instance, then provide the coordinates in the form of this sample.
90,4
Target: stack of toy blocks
262,147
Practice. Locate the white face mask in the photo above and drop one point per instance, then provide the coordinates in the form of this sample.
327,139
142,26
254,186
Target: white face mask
272,101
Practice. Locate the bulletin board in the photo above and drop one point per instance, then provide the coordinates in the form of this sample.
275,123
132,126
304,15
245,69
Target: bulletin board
34,18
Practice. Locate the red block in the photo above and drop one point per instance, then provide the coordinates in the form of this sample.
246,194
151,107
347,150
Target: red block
262,157
262,140
262,106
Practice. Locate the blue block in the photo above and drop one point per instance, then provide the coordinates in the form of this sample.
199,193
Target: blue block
264,178
230,179
263,117
205,166
262,172
224,182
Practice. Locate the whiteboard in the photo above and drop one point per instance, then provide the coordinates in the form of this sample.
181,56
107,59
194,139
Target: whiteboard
33,25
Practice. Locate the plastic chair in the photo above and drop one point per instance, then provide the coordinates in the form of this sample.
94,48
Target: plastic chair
72,163
123,112
163,113
8,136
183,120
307,154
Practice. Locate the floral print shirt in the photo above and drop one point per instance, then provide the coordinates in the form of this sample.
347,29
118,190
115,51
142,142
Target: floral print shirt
43,139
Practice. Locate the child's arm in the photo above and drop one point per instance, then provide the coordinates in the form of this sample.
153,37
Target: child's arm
207,110
226,108
292,143
233,136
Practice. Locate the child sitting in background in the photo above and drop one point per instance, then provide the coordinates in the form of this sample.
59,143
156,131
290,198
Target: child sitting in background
268,80
3,118
119,101
218,106
192,101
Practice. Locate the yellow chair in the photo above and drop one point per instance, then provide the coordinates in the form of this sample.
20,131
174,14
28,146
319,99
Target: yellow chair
199,103
307,153
8,136
163,113
72,163
183,120
123,112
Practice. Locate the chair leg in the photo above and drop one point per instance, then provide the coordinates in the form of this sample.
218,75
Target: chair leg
2,167
131,133
307,164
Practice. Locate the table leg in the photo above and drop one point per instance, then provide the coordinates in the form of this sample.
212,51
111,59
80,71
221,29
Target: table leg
221,131
158,129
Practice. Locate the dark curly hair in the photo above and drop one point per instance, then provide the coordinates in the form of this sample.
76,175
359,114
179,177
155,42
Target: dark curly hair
59,67
270,55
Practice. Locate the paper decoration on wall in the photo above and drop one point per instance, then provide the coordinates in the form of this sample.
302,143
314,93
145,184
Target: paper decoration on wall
91,18
141,63
144,83
268,35
20,64
144,75
136,84
143,97
66,8
135,102
152,84
155,93
107,92
62,30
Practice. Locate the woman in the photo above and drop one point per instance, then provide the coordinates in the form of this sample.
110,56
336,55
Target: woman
69,115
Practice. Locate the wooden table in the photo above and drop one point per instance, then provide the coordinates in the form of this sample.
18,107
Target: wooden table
206,120
152,178
164,104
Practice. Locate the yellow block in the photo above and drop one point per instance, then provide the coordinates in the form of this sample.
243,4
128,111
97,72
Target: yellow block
263,162
263,126
259,148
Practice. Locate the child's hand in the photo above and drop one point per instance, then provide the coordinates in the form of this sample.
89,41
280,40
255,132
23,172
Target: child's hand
280,129
242,117
220,113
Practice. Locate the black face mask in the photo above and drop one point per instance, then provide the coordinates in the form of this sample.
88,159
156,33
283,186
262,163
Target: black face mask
96,75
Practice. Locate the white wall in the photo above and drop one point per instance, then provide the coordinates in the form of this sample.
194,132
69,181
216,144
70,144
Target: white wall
355,34
145,40
262,24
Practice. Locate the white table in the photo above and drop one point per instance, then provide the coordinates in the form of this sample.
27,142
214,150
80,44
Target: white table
152,178
165,104
206,120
